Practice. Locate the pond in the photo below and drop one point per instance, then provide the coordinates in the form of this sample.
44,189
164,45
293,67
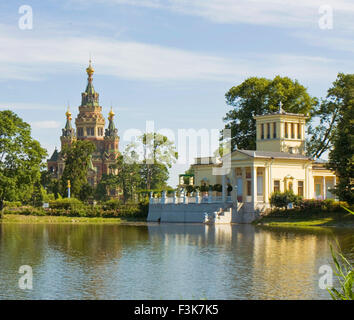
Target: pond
166,261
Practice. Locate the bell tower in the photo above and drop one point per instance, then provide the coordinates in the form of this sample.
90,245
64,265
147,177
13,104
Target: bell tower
90,122
281,132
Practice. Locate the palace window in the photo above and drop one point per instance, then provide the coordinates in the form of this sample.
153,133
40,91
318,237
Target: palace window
286,129
274,130
276,186
298,131
262,131
249,187
248,173
268,130
292,131
300,188
290,186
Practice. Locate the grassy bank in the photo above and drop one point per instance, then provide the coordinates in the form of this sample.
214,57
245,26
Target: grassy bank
74,211
20,218
309,213
332,219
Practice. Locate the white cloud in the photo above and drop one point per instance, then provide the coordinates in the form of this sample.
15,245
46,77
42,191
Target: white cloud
35,57
28,106
46,124
299,13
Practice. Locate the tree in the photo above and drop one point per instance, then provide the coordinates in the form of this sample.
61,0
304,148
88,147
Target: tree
86,192
341,157
49,183
259,96
107,182
77,161
37,194
156,155
329,113
20,158
128,177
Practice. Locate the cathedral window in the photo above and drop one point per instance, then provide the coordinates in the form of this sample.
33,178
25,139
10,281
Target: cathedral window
90,131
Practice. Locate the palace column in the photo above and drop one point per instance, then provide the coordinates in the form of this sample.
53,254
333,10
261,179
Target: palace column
324,187
233,183
266,184
244,186
254,184
223,188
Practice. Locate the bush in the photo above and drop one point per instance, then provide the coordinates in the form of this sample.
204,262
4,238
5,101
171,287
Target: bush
28,211
283,199
12,204
67,204
111,204
190,189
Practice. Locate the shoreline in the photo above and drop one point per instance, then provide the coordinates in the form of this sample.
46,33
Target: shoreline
346,221
32,219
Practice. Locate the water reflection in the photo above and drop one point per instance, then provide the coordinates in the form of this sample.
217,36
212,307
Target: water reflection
165,261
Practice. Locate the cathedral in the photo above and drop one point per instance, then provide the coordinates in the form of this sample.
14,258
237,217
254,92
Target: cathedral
90,125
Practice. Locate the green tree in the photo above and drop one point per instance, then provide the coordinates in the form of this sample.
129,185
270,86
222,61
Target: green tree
37,194
341,157
86,192
156,155
107,182
128,177
259,96
77,162
50,184
20,158
328,115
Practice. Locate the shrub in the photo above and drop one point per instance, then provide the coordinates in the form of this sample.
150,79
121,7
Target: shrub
12,204
283,199
66,203
111,204
190,189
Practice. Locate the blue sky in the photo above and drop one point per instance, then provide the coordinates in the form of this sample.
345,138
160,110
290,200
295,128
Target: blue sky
170,61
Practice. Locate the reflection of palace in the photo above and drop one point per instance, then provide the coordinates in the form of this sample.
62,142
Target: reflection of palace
278,164
296,258
90,125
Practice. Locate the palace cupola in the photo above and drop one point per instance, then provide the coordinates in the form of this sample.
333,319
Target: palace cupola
111,134
281,132
68,132
90,122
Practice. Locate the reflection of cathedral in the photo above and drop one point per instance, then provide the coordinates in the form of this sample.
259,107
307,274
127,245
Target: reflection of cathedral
90,125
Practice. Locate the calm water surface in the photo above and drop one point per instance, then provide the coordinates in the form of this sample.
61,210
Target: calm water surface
165,261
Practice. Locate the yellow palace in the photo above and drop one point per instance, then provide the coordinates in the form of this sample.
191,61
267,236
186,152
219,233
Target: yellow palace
279,163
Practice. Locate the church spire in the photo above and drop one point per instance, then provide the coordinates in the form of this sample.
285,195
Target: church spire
90,96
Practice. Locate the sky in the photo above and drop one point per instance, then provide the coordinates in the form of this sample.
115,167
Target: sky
166,61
